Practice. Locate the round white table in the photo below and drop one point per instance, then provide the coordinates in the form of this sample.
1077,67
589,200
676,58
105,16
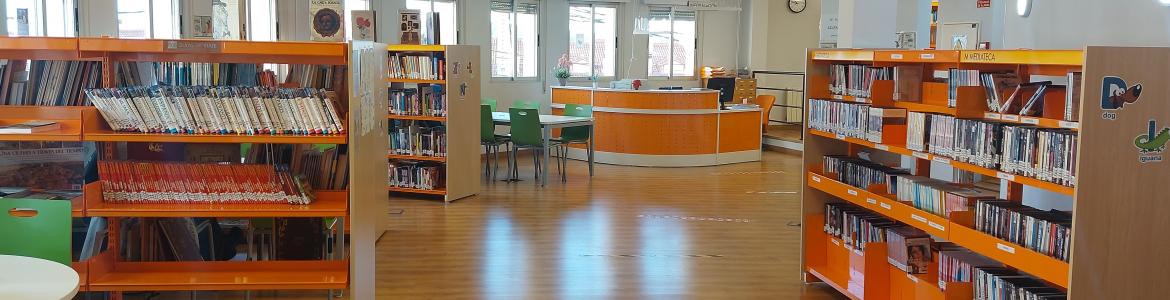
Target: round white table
34,278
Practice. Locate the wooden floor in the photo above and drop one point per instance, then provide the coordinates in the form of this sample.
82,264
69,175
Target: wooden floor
727,232
789,133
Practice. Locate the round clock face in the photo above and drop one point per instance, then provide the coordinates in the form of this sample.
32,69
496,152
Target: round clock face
796,6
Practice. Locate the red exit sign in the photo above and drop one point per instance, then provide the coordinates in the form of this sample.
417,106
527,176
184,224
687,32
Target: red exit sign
983,3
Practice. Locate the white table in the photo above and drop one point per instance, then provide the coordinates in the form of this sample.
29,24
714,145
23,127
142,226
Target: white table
547,123
34,278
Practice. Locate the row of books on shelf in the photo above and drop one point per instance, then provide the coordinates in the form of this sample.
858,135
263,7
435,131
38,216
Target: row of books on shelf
428,101
186,183
323,166
855,79
1047,232
1006,91
1042,153
219,110
418,138
426,67
416,175
130,74
911,250
47,82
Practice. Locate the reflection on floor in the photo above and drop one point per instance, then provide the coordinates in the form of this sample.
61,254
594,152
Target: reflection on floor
789,133
723,232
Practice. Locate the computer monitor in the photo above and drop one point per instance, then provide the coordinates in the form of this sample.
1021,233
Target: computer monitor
725,86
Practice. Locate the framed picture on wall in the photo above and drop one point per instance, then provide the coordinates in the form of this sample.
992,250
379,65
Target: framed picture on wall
958,36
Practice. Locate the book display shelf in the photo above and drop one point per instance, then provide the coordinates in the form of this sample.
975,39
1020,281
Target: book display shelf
434,120
348,266
1103,157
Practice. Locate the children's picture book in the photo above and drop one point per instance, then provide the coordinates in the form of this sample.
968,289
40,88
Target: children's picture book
364,25
328,16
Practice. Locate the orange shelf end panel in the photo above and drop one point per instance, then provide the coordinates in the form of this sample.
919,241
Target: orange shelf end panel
110,275
416,191
327,204
82,269
1037,264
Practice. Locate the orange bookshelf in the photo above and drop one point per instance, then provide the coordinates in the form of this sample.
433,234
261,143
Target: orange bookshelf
825,259
416,118
327,204
408,80
222,51
900,149
39,48
99,135
416,191
417,157
107,274
416,48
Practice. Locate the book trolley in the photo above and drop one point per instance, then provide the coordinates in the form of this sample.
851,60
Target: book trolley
361,206
451,73
1119,173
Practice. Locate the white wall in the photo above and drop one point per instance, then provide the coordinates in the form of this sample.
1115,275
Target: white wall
1073,24
991,26
867,23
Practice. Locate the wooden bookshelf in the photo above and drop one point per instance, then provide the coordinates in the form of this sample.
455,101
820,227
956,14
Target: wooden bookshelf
462,161
825,259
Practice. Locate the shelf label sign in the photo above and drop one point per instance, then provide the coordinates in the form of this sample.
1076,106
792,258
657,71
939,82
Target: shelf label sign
978,56
921,155
1005,248
816,178
882,147
990,115
941,160
1115,94
927,56
936,226
1151,144
896,56
820,55
918,218
192,46
840,136
835,242
886,206
1033,121
852,192
871,201
1013,118
1069,125
1005,176
912,277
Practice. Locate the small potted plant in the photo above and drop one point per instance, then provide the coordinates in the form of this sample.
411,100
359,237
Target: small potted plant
561,71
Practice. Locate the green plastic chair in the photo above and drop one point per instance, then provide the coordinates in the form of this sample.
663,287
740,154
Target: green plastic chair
489,102
526,134
526,104
575,135
37,228
490,140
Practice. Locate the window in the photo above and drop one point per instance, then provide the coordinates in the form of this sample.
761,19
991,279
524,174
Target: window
40,18
592,40
156,19
350,6
671,43
514,38
262,20
446,9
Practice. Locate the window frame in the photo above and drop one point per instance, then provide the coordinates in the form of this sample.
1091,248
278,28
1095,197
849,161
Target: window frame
151,31
40,12
537,76
694,61
593,34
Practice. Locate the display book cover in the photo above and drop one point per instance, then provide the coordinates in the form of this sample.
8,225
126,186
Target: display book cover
327,19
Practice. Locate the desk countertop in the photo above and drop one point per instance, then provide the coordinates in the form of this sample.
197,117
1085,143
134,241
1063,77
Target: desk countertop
601,89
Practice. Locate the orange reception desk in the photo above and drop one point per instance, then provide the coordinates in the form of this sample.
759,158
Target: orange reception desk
664,128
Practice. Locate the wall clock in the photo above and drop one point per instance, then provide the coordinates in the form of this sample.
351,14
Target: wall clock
797,6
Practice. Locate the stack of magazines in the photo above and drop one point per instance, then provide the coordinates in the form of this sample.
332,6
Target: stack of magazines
218,110
198,183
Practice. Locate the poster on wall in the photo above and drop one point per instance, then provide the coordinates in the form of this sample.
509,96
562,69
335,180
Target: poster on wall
828,31
409,24
364,25
201,29
328,18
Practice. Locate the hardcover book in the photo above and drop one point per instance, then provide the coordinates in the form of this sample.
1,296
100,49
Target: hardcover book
328,16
